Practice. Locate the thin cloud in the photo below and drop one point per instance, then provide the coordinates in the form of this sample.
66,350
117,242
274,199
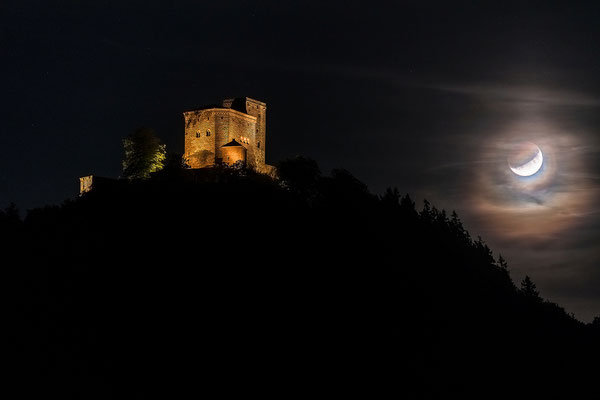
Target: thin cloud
523,94
504,92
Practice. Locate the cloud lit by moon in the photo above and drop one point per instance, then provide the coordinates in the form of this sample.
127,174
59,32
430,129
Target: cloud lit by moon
536,207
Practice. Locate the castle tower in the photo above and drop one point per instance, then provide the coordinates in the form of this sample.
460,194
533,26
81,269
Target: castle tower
257,109
210,128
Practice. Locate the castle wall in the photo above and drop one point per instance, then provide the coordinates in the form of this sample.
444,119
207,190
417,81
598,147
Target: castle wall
221,132
200,148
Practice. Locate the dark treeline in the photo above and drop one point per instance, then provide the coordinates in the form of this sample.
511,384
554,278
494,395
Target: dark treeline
224,281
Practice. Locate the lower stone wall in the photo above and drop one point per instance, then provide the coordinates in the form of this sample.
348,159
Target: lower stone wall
267,169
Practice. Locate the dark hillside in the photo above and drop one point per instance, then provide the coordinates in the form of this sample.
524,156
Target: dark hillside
232,282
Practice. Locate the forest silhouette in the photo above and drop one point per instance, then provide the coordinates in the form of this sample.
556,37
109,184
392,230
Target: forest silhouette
224,282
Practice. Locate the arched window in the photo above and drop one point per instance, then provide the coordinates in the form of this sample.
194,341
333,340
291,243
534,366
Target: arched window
208,132
198,133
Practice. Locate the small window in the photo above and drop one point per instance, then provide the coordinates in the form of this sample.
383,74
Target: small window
258,144
198,133
208,132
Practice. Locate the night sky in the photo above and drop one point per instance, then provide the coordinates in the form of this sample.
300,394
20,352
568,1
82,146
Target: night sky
431,98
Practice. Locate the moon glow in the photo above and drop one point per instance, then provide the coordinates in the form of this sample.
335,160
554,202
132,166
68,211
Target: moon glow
535,209
527,160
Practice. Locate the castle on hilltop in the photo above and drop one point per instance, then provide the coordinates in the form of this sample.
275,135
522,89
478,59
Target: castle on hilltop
233,132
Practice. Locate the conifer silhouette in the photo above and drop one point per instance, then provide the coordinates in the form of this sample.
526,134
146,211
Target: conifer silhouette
528,288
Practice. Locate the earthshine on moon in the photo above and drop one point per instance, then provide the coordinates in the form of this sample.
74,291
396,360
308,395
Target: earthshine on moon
527,160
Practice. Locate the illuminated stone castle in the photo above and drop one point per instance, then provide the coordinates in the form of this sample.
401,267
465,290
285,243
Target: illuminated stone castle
235,131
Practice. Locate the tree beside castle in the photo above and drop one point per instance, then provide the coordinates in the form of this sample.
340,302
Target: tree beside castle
144,154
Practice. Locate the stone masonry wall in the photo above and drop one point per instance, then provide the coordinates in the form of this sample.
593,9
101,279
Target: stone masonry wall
221,132
200,148
258,109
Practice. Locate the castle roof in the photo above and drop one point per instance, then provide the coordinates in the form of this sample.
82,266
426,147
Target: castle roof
237,104
231,144
207,107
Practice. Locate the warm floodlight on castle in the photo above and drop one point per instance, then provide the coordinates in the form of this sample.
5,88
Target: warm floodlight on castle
235,132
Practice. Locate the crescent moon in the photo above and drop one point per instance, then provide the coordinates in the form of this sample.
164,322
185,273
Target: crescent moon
529,167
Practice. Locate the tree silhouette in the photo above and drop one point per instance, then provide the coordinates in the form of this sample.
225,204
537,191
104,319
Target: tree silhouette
174,167
10,214
484,251
408,204
502,262
528,288
176,161
300,175
144,154
391,197
10,224
344,190
426,213
458,230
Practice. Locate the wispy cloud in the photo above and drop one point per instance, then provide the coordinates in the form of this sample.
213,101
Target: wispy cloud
524,94
407,78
